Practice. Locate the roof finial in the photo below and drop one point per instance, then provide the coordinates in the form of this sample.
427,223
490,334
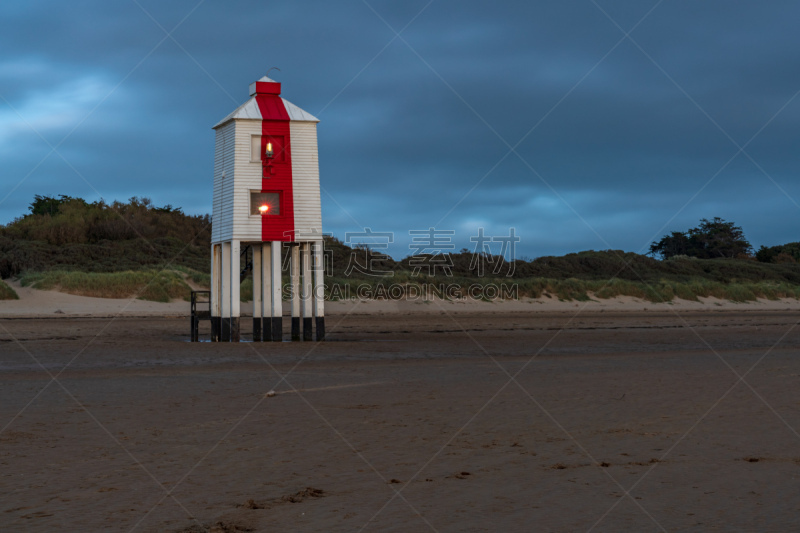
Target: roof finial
271,69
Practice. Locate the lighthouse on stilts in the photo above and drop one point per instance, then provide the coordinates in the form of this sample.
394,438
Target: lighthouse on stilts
266,197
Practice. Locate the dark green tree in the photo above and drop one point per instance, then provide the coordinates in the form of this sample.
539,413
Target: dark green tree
783,253
47,205
718,238
712,239
676,243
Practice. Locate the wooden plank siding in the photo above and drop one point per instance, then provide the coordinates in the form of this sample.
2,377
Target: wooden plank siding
231,209
222,215
305,181
248,178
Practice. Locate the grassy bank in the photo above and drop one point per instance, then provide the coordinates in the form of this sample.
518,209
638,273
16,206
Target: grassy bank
661,291
167,285
561,289
143,284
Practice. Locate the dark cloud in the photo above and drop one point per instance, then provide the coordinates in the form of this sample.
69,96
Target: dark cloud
614,141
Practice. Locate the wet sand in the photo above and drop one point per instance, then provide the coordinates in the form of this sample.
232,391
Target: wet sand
405,423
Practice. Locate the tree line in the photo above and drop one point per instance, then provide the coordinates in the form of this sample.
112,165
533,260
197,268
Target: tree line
69,233
720,239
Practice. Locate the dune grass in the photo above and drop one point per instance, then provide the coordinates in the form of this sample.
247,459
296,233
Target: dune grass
157,286
661,291
246,290
561,289
163,286
201,279
7,293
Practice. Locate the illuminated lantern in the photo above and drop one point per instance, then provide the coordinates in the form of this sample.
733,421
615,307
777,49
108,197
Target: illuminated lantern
266,197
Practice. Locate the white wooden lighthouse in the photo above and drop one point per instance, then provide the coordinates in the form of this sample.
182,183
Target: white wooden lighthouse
266,197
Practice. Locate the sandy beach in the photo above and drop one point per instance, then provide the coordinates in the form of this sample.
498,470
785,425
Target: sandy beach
442,416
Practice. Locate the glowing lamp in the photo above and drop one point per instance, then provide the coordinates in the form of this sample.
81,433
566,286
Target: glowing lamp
268,151
264,209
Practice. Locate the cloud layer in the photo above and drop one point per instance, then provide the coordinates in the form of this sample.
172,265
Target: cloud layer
542,116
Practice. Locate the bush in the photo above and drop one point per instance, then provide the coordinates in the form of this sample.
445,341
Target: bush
784,253
71,234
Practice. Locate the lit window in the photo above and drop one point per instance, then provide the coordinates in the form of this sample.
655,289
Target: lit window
265,203
276,142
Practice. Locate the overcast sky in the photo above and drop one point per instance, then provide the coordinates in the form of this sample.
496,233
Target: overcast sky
542,116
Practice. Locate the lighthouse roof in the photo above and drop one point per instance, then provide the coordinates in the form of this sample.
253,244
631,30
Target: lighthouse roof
250,110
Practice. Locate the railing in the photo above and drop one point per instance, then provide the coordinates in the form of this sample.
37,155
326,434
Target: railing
199,297
248,265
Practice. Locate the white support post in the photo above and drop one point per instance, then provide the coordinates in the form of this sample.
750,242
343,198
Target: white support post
277,292
319,289
307,291
257,295
295,278
266,290
216,290
225,292
236,269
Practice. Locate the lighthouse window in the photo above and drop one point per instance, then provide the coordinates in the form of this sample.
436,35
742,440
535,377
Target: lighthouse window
275,142
255,148
265,203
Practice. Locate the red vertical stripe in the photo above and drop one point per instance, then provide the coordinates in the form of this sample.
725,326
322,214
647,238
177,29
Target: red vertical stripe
278,176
